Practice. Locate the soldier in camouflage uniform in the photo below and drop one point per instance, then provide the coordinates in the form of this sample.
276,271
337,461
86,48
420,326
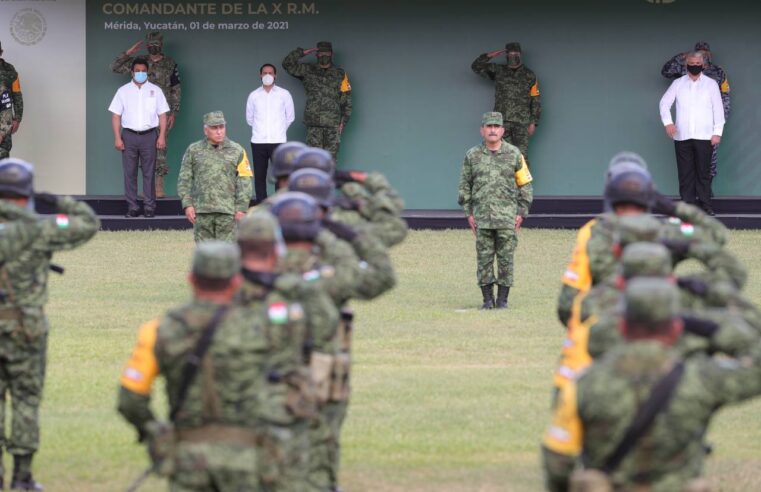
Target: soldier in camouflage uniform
23,323
162,71
11,105
214,183
214,357
328,106
595,413
495,193
516,94
677,67
289,407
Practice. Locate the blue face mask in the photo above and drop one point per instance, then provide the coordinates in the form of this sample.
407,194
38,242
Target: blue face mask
141,77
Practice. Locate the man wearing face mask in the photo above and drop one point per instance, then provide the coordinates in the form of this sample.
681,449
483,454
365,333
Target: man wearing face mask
214,182
162,71
516,94
11,105
328,106
676,67
139,120
699,126
269,112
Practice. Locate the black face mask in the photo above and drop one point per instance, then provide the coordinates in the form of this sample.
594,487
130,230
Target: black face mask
154,50
324,59
694,69
514,60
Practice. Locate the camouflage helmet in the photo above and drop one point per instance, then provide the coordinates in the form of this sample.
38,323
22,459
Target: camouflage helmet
633,185
16,178
650,301
315,158
624,161
283,157
314,183
216,260
643,259
298,214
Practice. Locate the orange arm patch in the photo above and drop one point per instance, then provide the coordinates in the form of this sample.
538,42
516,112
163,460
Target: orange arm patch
577,274
345,85
142,368
523,175
244,168
565,435
534,89
725,86
16,86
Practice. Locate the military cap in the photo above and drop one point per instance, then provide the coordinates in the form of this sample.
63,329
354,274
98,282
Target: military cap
283,158
702,46
154,38
215,118
645,260
315,158
324,46
513,46
16,177
216,260
259,225
315,183
492,118
650,300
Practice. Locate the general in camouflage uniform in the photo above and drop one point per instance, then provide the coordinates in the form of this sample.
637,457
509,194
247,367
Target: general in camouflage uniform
328,91
162,71
594,415
23,323
11,105
516,94
495,193
213,356
677,67
214,184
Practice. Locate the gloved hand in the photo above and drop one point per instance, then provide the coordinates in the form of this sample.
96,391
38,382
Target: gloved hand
693,285
663,205
48,199
342,231
700,326
345,203
341,176
161,444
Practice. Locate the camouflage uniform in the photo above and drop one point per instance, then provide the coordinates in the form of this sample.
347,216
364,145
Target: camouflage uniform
165,74
213,437
677,67
216,181
516,97
23,323
328,104
595,412
494,188
18,229
11,105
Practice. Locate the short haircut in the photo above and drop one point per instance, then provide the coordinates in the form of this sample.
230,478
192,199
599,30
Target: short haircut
139,61
211,284
695,54
268,65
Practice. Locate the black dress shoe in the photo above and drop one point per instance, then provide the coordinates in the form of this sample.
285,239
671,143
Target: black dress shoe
132,213
149,213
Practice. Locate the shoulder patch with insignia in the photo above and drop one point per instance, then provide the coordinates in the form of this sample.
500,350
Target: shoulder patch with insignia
277,312
62,221
296,313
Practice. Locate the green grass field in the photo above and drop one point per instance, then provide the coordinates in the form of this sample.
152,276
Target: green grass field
446,398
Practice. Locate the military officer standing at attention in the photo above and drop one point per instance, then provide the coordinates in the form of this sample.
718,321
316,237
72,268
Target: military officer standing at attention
495,193
23,323
516,94
214,182
328,106
162,71
11,105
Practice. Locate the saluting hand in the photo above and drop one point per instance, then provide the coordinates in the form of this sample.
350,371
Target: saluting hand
309,51
494,54
134,48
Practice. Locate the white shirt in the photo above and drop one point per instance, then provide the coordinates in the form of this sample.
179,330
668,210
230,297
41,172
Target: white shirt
139,106
699,111
269,114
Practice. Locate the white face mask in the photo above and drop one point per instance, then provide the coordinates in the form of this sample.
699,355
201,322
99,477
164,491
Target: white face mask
268,79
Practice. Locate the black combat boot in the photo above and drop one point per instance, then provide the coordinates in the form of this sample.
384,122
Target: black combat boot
22,473
502,293
488,293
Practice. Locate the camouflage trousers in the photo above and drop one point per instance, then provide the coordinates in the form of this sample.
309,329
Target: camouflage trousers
499,243
324,455
5,146
162,168
324,137
285,458
215,467
214,226
517,134
714,161
6,121
23,352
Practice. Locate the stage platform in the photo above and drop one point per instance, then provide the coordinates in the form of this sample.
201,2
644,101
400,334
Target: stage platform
557,212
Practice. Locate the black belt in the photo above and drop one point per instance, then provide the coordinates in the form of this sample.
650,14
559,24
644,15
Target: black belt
140,133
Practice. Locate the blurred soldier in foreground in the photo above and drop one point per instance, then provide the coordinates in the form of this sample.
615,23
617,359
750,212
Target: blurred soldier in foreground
638,416
162,71
496,194
11,105
214,182
213,357
23,323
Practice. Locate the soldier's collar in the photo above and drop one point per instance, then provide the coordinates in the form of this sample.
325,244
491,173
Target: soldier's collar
221,145
502,148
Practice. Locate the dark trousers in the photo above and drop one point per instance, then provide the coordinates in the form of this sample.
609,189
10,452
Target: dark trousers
693,163
261,153
140,152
